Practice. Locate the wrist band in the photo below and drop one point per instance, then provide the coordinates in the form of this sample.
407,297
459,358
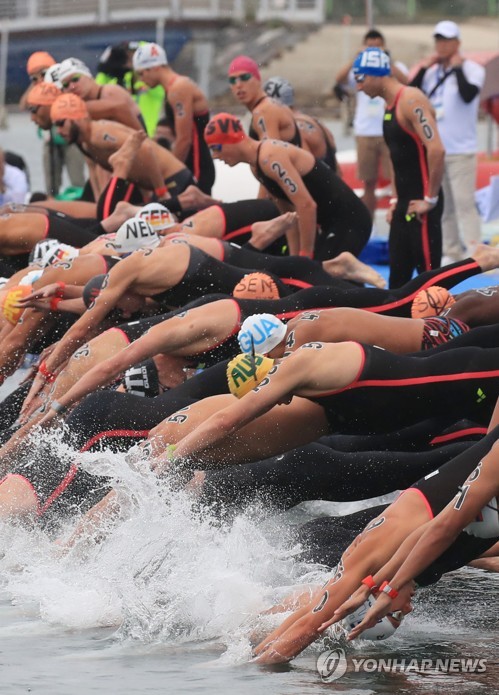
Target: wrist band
370,583
306,254
161,191
431,201
58,407
393,201
49,377
388,590
170,449
54,303
60,291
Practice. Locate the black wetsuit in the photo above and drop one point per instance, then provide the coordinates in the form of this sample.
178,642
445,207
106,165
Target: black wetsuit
452,384
344,220
413,244
296,138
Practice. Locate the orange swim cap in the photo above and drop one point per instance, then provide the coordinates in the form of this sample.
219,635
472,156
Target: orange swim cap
256,286
224,129
43,94
68,106
431,302
38,61
10,299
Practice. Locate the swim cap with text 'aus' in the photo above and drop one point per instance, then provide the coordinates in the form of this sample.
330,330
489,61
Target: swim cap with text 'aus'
224,129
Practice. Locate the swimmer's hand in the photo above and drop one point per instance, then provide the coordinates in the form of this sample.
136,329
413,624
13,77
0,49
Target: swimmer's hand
349,606
381,608
161,464
51,290
419,208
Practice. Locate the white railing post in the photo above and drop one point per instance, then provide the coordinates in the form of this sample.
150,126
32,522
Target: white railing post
4,56
103,12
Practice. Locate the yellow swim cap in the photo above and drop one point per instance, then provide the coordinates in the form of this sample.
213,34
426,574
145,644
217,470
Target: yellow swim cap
245,372
9,301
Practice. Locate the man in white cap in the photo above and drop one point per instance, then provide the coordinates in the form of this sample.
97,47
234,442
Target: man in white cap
186,110
452,84
108,101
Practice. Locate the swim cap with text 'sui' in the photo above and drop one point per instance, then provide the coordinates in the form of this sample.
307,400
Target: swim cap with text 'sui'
261,333
224,129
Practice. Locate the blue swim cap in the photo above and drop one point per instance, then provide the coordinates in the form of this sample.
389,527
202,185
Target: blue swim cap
372,61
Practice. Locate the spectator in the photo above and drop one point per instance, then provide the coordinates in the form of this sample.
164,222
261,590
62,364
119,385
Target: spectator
13,183
372,152
452,84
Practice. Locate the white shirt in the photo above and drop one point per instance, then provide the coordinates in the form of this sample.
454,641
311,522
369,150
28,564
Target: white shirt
456,120
16,185
369,113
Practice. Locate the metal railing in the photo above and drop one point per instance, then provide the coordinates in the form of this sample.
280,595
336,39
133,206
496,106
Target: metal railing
21,15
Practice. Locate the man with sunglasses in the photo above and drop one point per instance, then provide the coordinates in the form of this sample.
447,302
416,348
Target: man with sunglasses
186,108
417,156
103,101
269,118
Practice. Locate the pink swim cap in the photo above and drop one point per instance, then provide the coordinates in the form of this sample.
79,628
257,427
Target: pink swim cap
245,64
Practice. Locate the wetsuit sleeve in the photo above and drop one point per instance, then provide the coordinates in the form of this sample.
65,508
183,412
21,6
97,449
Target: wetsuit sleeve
417,81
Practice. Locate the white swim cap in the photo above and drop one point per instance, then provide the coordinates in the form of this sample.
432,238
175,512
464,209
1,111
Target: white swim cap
382,630
149,55
261,333
158,216
31,277
72,66
52,75
135,234
280,89
49,251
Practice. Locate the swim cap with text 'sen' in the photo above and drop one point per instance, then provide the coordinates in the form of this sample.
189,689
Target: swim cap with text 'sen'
261,333
68,106
245,372
224,129
372,61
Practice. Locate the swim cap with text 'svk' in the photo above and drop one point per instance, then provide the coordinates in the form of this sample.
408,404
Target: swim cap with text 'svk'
261,333
224,129
372,61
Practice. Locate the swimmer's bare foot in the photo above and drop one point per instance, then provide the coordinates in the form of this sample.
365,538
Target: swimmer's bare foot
348,267
121,161
193,197
265,232
122,212
486,256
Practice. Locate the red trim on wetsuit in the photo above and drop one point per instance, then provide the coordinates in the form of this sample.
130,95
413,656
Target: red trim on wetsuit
47,227
296,283
113,433
116,328
423,167
129,191
29,483
237,232
108,197
222,213
425,501
434,281
423,379
196,160
443,438
66,481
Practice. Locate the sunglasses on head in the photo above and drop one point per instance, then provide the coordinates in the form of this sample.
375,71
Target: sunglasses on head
359,78
60,123
73,80
244,77
215,148
37,76
33,109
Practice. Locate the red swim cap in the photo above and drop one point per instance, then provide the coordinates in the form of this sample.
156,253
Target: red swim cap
224,129
245,64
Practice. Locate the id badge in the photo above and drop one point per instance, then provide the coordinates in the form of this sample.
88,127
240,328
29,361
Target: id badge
374,107
439,111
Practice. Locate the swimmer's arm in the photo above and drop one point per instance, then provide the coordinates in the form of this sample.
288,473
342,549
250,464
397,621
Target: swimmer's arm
278,166
116,110
92,523
489,564
442,531
271,390
494,420
180,100
266,123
